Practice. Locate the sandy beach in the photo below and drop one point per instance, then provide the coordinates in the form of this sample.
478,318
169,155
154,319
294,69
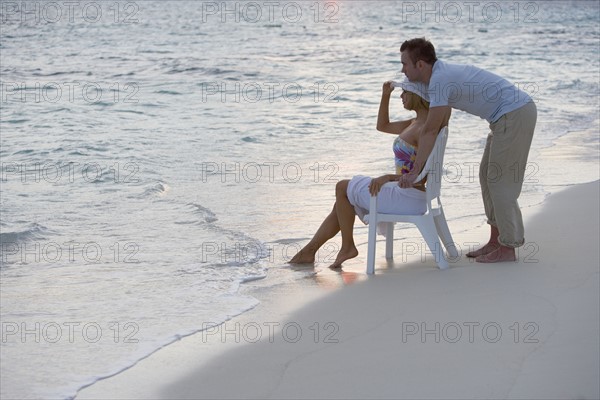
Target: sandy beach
522,330
162,162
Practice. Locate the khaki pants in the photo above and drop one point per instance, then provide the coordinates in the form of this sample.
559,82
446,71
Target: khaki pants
502,172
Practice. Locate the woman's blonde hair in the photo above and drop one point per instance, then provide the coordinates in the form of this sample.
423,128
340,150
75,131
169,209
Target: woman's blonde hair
416,102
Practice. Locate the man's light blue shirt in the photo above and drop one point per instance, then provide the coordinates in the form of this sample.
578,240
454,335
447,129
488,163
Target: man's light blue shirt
474,90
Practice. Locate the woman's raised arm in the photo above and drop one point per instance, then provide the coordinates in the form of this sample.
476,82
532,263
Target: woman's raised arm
383,118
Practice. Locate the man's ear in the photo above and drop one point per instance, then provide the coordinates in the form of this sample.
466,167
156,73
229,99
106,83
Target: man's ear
420,64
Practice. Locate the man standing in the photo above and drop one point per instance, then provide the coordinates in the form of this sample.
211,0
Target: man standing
512,115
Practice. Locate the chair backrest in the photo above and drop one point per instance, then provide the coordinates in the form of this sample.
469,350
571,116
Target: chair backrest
433,167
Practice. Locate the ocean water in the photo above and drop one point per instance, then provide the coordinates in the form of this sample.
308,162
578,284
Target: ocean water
157,155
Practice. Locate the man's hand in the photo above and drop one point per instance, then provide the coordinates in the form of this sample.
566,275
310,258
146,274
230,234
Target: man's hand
408,180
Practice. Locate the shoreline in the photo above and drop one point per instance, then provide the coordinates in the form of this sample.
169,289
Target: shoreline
527,325
207,345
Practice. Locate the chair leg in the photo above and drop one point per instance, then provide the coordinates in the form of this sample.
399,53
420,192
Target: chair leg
429,232
372,246
389,240
444,233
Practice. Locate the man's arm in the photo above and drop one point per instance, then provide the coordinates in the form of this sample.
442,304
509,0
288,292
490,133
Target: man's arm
438,118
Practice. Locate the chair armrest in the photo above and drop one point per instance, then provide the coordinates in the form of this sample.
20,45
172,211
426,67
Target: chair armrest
373,205
373,202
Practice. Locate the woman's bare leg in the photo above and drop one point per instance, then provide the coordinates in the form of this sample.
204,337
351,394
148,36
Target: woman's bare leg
328,229
345,215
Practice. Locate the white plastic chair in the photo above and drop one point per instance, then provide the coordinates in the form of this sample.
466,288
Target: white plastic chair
432,224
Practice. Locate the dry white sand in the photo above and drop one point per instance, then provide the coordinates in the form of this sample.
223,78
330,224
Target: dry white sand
528,329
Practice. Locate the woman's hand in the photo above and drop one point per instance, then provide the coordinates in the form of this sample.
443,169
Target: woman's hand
377,183
387,88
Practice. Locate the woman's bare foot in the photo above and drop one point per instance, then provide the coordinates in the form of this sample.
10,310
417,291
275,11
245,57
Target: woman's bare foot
304,256
343,255
501,254
488,248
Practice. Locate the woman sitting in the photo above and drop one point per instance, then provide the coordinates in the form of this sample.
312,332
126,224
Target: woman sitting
353,196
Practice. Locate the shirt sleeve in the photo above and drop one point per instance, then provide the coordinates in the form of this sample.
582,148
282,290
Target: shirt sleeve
439,92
